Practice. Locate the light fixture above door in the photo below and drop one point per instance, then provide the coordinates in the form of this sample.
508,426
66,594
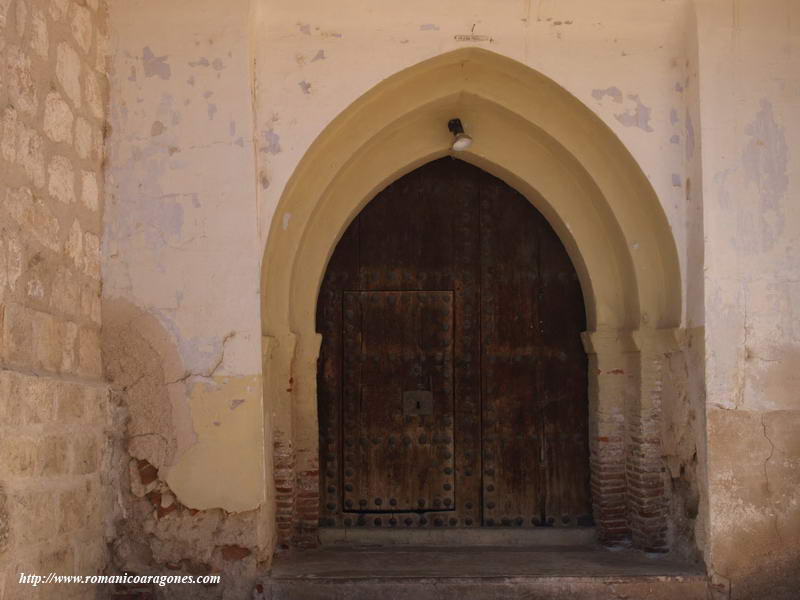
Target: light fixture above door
461,140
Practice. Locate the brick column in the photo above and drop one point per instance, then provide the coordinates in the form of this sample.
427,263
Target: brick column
305,426
278,356
610,356
295,444
647,493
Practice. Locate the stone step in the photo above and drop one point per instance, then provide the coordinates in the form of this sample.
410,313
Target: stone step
481,573
482,536
502,588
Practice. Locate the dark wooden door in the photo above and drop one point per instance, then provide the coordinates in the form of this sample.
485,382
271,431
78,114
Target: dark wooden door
398,401
452,381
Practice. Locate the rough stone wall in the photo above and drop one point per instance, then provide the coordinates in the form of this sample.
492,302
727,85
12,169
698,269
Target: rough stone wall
55,417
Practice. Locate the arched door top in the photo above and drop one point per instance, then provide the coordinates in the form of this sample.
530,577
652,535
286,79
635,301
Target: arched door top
528,131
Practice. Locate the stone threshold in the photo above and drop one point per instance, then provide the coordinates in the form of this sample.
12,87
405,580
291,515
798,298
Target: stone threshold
463,537
400,572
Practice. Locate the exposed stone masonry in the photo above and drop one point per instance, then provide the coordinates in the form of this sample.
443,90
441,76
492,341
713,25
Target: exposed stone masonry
54,407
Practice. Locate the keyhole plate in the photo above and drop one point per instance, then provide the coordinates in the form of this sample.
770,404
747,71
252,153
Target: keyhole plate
417,403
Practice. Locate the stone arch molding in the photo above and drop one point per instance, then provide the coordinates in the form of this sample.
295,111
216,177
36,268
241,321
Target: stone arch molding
549,146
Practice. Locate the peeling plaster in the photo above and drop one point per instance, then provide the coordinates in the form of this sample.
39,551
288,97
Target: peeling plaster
765,162
203,356
139,356
166,211
689,136
225,440
636,117
155,66
176,209
612,92
218,363
272,142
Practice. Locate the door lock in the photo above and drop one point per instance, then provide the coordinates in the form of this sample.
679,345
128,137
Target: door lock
417,403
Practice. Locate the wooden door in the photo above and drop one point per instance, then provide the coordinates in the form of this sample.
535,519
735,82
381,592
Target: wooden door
452,381
398,401
535,453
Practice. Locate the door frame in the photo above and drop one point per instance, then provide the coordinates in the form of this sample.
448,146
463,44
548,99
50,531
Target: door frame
542,141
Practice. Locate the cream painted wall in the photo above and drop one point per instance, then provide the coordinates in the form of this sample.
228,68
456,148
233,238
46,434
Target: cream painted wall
181,239
749,99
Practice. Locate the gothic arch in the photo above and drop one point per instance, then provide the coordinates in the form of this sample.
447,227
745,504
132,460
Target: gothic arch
549,146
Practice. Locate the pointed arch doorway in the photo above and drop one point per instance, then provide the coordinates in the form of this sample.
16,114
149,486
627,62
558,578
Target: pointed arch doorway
543,141
452,380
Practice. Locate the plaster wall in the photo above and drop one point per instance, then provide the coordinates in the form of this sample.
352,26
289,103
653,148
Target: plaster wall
56,418
181,264
749,99
181,242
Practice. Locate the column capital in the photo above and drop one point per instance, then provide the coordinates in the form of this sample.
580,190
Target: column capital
660,341
608,341
640,340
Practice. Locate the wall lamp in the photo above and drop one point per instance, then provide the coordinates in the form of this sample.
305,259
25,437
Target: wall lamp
461,140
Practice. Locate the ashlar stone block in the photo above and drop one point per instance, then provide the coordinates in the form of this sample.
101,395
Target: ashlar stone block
39,37
90,194
58,118
68,72
82,29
